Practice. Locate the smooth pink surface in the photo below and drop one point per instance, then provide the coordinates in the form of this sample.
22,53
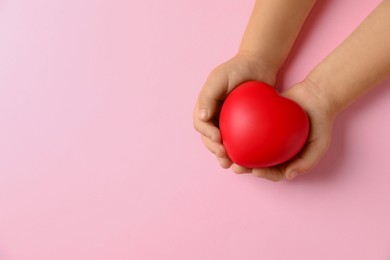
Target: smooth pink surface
99,160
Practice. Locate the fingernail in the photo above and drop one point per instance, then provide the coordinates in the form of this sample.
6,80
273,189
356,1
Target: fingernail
291,175
203,113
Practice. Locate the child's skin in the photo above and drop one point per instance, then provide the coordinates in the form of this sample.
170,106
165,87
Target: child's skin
355,66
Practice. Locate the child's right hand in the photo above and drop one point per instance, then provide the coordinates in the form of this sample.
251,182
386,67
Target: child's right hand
220,83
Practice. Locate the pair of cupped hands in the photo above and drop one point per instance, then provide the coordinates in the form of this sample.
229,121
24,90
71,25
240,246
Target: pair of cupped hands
244,67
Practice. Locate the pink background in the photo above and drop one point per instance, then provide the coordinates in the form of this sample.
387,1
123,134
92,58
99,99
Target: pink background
99,160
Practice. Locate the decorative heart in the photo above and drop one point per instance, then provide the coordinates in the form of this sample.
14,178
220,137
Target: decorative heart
260,128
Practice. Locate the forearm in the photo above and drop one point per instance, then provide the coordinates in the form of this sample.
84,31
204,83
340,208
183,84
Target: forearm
273,28
359,63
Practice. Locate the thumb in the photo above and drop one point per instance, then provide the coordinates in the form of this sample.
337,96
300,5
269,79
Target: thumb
214,91
206,108
307,159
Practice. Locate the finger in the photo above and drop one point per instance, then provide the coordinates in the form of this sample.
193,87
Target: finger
213,91
240,169
307,159
225,162
215,148
273,173
208,128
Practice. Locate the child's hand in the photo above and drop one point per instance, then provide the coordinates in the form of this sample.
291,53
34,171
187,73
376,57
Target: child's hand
321,117
220,83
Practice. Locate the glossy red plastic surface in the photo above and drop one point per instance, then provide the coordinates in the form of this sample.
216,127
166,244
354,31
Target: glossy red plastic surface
260,128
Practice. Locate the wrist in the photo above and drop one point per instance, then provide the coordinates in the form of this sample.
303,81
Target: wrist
320,97
262,58
266,71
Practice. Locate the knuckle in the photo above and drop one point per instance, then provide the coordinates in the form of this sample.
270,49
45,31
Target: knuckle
196,126
236,170
259,174
225,165
278,179
220,152
210,148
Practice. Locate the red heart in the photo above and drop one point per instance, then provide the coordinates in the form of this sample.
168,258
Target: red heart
260,128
